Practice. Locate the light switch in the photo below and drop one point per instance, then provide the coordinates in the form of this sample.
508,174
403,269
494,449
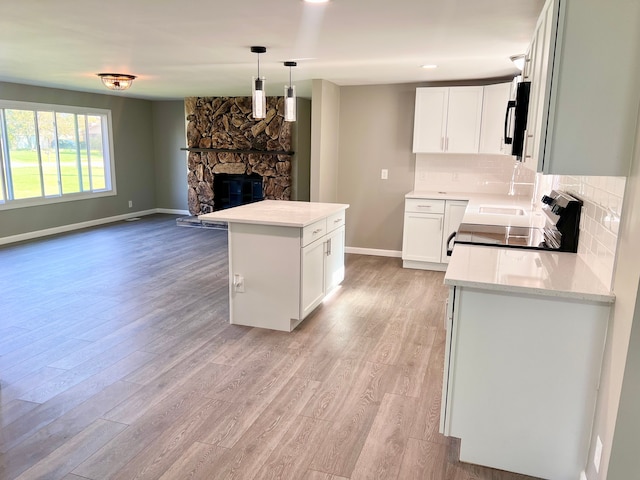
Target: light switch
384,174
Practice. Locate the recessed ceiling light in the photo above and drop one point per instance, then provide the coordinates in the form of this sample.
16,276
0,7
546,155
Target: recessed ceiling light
316,1
519,61
429,66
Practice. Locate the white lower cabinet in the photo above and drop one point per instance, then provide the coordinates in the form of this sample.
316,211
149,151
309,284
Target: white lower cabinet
422,240
334,259
322,269
312,285
427,225
520,379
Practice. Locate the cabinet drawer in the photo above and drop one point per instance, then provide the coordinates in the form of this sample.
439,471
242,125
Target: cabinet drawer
314,231
335,221
423,205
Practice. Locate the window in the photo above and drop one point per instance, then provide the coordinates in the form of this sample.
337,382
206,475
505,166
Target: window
53,153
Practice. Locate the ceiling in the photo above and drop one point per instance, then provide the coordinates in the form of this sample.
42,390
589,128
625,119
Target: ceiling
181,48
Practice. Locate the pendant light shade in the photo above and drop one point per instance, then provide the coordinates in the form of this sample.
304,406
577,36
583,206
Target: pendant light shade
290,97
116,81
259,97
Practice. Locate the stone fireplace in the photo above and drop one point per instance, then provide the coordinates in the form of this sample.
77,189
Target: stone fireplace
223,138
233,190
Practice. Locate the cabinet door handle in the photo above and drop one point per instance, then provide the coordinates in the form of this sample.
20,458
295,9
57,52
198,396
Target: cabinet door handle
328,247
337,220
424,206
318,230
440,223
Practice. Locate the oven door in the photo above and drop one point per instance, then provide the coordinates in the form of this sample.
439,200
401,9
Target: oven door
450,243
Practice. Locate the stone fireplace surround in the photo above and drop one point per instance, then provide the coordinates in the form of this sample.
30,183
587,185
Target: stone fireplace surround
223,137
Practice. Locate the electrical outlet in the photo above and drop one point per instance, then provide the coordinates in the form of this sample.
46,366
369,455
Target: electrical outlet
238,283
597,454
384,174
130,203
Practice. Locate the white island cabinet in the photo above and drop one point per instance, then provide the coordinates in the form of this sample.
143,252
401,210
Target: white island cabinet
525,338
284,258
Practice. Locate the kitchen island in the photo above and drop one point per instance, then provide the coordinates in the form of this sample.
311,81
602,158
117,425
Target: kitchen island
284,258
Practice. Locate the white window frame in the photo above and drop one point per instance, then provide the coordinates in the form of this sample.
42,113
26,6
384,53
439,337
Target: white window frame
107,145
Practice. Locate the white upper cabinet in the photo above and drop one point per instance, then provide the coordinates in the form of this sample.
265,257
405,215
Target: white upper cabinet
494,105
430,119
447,120
583,66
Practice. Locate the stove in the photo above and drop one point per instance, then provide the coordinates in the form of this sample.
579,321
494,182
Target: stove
560,233
497,235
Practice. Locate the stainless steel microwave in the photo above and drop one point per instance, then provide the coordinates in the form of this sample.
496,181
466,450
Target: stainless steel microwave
515,119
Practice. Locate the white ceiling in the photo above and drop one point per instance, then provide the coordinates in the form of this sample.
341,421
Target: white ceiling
181,48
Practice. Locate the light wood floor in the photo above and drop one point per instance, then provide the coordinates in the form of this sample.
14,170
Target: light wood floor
117,361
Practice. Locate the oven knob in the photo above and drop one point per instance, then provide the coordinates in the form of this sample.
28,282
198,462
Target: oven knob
547,199
557,209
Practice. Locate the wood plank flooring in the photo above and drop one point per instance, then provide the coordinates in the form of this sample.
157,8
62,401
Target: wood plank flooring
117,362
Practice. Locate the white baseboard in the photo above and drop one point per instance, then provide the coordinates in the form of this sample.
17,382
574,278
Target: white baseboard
173,211
74,226
437,267
374,251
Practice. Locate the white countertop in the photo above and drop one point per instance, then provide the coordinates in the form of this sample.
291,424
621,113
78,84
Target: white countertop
517,270
531,217
276,212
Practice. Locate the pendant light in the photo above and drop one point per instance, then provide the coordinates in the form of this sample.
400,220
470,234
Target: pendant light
116,81
259,98
290,96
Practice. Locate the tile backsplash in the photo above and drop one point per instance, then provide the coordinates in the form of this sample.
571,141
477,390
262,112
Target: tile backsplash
600,220
499,174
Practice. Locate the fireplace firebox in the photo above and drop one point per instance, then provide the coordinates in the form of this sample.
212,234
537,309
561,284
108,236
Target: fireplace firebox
232,190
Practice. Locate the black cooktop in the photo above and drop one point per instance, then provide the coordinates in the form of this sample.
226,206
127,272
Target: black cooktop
497,235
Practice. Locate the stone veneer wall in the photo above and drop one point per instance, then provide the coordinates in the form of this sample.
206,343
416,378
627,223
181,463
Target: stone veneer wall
227,123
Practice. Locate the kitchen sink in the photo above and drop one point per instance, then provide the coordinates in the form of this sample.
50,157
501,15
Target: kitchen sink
501,210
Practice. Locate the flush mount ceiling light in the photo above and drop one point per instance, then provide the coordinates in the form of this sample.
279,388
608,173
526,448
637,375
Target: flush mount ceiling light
428,66
116,81
290,96
316,1
258,96
518,61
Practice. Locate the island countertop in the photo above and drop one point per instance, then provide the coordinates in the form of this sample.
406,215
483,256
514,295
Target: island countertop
276,212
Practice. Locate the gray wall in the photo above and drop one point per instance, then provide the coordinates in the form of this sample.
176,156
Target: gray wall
625,462
376,132
133,157
617,418
301,164
325,137
169,133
